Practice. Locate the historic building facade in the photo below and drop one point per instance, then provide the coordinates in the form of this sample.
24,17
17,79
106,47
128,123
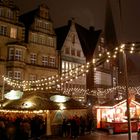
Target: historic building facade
12,46
40,37
71,56
28,44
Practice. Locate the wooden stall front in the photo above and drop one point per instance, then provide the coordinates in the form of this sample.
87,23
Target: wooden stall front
116,117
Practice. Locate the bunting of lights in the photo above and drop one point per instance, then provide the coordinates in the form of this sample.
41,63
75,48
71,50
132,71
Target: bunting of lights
56,81
50,82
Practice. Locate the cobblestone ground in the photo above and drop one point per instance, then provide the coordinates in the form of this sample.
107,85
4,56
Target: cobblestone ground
98,136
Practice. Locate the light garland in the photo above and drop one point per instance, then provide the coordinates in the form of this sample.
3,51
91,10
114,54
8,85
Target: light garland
56,81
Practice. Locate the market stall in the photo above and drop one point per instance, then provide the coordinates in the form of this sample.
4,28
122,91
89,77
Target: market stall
115,116
49,106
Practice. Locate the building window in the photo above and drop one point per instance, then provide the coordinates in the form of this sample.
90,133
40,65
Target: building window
13,33
3,30
73,38
17,75
52,61
11,54
66,66
45,60
15,54
79,53
32,77
63,66
67,50
50,41
34,38
18,54
73,52
9,14
10,74
33,58
102,40
99,48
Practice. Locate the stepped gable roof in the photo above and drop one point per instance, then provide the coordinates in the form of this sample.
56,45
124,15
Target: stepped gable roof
28,18
88,38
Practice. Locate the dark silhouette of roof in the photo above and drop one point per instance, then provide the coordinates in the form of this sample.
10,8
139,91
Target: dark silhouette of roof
88,38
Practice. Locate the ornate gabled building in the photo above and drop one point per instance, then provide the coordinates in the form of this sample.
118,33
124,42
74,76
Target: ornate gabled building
72,55
12,46
28,46
41,59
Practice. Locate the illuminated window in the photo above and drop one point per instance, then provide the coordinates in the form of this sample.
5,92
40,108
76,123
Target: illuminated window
66,66
52,61
13,33
45,60
33,58
3,30
102,40
70,67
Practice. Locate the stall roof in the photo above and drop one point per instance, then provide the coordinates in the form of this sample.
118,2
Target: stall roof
41,101
113,104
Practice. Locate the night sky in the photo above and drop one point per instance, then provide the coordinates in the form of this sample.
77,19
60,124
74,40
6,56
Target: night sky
92,13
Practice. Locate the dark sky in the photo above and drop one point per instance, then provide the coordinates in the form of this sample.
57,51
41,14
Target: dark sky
92,13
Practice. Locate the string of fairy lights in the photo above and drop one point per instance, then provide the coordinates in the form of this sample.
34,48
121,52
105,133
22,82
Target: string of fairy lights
57,81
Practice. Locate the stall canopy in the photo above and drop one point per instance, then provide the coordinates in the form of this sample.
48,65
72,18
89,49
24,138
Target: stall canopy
41,101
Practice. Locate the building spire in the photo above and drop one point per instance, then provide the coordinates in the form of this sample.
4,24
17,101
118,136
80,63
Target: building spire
109,29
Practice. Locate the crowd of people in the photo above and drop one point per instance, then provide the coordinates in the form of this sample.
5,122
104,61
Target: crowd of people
21,127
76,126
26,127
